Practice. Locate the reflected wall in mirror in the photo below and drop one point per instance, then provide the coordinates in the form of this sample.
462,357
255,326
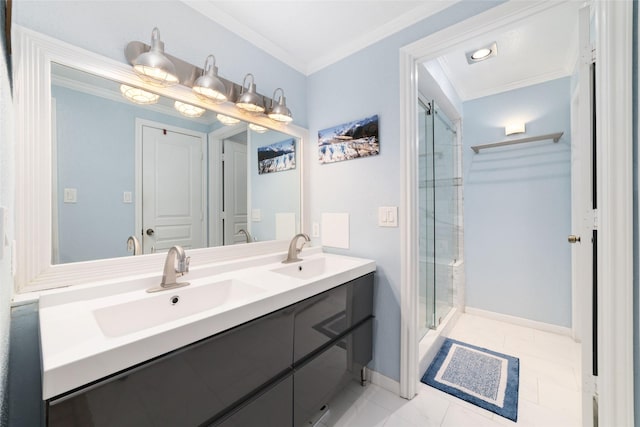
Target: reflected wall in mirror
122,169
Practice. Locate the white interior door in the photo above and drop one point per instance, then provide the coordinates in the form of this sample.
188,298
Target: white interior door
172,190
583,215
235,192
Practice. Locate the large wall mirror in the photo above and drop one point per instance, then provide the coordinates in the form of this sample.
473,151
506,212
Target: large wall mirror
99,168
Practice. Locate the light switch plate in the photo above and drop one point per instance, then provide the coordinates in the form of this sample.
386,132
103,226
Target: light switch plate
256,215
127,197
315,230
70,195
388,216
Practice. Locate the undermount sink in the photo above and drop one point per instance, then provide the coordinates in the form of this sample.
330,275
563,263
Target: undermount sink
121,319
309,268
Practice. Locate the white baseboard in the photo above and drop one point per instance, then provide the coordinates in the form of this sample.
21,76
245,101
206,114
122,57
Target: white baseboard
520,321
383,381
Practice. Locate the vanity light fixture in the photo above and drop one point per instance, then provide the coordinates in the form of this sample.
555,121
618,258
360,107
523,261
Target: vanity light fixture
188,110
257,128
280,113
483,53
153,66
226,120
208,86
514,127
138,96
249,100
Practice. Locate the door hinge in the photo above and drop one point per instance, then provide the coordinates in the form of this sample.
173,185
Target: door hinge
595,219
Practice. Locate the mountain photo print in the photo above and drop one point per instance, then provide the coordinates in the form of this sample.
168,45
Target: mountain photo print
349,141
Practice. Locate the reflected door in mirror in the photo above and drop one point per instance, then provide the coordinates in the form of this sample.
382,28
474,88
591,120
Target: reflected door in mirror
172,190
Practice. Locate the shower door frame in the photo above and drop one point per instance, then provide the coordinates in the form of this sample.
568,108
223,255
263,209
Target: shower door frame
614,43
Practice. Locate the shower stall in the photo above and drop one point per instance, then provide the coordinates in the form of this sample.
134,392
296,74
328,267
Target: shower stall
439,215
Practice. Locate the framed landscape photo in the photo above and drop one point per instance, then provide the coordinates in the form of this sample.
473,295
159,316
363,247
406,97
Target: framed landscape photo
277,157
349,141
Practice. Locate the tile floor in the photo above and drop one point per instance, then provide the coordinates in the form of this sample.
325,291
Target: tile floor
549,386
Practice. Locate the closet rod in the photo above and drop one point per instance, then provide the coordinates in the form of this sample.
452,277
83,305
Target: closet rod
555,136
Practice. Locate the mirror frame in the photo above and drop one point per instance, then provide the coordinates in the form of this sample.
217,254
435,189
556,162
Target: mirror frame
34,271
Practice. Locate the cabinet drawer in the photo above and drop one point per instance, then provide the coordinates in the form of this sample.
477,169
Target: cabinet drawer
274,407
318,380
187,386
324,317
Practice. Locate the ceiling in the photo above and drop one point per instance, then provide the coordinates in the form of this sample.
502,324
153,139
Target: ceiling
309,35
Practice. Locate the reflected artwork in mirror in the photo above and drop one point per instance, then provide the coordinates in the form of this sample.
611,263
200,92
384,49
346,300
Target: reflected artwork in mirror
148,170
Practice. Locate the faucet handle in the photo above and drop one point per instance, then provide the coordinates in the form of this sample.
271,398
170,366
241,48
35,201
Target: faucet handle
183,265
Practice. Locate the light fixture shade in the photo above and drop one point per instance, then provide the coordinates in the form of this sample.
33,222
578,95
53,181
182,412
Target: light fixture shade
138,96
226,120
280,113
257,128
153,66
249,100
188,110
208,86
514,127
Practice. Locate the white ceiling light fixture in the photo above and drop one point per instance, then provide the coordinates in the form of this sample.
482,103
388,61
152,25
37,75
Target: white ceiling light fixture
226,120
188,110
483,53
257,128
138,96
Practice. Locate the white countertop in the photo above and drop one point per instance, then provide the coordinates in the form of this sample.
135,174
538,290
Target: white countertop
76,350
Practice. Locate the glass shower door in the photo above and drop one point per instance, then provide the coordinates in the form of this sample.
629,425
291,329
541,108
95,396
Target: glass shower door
426,220
438,214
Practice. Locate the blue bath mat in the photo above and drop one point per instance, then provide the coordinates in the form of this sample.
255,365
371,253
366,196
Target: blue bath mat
483,377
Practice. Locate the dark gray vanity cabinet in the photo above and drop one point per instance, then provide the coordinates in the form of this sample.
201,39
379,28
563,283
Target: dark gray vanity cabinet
189,386
277,370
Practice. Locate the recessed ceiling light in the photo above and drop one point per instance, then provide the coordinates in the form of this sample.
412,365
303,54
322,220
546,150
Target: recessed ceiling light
485,52
481,53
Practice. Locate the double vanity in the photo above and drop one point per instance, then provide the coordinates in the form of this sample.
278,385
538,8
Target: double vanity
253,341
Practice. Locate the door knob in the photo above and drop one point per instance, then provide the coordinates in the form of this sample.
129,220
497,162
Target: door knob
573,239
150,231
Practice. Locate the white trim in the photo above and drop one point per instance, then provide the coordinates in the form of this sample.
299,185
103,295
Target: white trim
520,321
139,124
55,237
614,130
335,53
614,24
384,382
33,54
408,225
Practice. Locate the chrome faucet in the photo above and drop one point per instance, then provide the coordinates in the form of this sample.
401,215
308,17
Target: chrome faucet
249,239
133,244
292,256
171,273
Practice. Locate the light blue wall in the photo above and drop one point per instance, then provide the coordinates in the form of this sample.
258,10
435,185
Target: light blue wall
636,210
272,193
364,84
96,154
517,205
105,27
